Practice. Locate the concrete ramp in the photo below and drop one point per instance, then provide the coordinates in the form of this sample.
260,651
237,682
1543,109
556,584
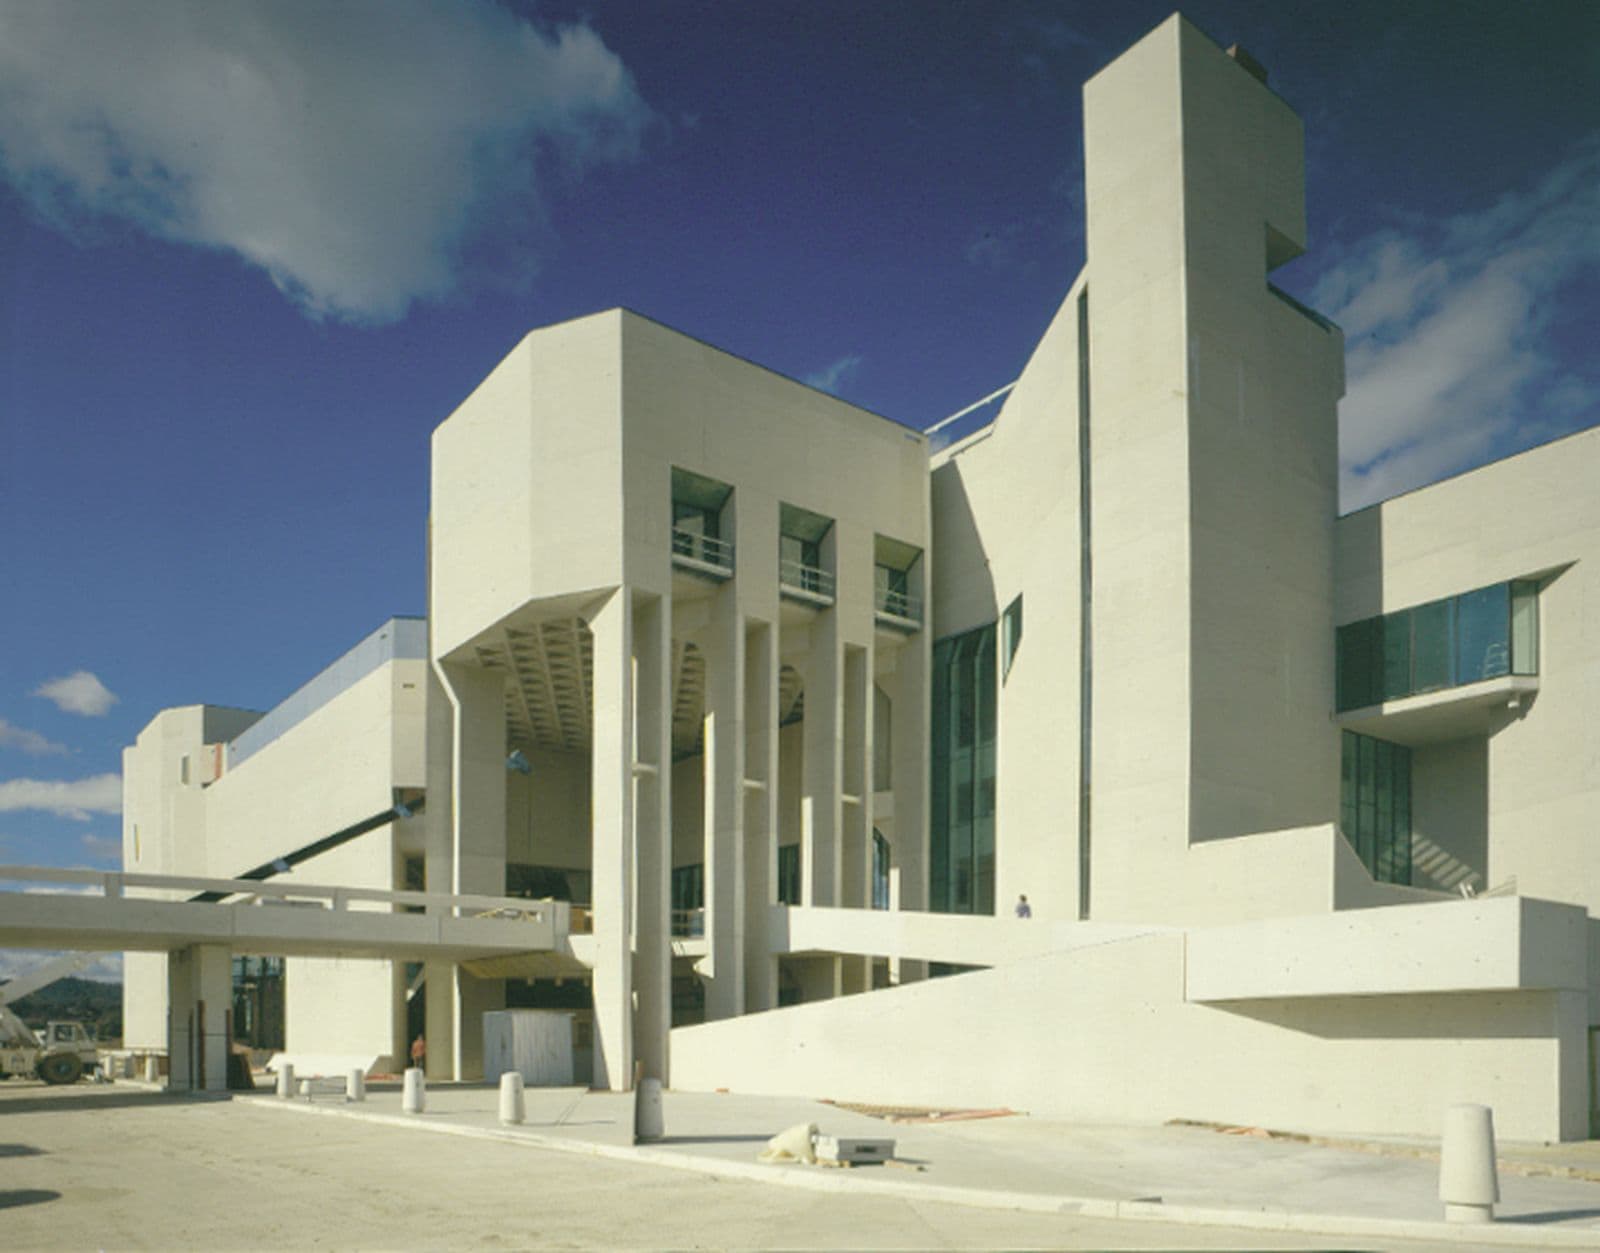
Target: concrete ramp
1107,1032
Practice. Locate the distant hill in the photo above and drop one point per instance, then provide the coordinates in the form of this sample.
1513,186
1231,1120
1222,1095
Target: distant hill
95,1004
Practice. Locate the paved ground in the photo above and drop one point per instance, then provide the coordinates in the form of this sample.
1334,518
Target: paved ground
120,1167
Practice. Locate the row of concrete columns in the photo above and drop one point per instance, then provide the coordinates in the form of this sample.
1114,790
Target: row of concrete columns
631,695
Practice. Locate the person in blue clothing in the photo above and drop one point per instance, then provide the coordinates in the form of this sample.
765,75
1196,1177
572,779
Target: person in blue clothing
1024,910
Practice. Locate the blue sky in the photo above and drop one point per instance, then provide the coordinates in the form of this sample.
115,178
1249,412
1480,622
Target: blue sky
251,254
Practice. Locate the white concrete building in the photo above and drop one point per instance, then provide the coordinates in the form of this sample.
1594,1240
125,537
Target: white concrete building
797,706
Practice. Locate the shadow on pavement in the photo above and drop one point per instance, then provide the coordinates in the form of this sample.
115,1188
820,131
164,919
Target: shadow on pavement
27,1196
20,1150
106,1100
1550,1216
755,1139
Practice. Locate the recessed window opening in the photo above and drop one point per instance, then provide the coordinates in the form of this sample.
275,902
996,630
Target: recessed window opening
880,870
689,900
701,529
896,575
788,874
803,559
1482,634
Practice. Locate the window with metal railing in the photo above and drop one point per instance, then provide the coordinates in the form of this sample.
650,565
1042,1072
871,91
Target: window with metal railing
896,582
701,523
803,555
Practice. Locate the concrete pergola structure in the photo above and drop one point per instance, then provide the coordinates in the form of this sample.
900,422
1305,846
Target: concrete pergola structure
141,913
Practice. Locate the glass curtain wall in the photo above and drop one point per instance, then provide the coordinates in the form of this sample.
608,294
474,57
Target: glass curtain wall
1482,634
961,869
1375,805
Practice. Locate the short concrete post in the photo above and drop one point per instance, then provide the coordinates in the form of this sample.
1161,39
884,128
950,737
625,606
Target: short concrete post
1469,1185
415,1098
513,1109
355,1085
285,1079
152,1068
648,1122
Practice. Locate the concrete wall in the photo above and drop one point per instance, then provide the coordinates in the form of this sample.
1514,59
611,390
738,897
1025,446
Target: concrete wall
1104,1033
1533,515
337,766
1214,471
1450,814
547,811
164,832
1006,524
526,483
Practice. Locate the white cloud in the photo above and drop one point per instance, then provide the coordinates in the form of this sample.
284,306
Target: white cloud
74,798
349,150
832,376
104,847
79,693
1448,362
30,742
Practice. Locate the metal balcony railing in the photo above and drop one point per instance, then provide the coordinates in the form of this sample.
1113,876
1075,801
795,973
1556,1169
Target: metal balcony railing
901,606
809,582
688,924
702,552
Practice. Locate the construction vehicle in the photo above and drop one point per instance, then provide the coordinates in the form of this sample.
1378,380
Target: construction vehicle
65,1051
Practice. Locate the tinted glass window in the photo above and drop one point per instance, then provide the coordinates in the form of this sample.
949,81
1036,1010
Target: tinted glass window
1483,634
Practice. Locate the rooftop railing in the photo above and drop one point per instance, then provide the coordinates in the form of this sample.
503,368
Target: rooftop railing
704,553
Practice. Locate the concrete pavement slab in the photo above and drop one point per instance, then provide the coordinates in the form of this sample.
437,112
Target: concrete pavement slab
1179,1174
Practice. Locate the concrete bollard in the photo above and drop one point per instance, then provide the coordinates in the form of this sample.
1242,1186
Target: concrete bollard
513,1108
648,1121
1469,1185
285,1079
355,1085
415,1098
152,1069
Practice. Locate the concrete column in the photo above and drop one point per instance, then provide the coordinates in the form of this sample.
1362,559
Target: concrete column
439,824
820,816
724,766
760,813
199,1000
611,830
909,712
652,962
479,843
855,832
